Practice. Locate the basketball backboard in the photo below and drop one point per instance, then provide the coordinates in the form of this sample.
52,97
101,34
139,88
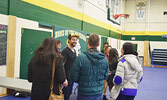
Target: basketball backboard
114,8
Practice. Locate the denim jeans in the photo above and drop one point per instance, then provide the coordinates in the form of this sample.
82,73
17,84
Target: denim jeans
68,90
91,97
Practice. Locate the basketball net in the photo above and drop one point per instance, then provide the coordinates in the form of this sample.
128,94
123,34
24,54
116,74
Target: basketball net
124,16
121,15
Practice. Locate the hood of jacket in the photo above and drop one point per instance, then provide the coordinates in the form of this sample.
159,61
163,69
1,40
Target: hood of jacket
132,61
95,58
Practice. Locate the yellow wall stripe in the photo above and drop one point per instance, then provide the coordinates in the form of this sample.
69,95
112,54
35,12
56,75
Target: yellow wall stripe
144,33
56,7
53,6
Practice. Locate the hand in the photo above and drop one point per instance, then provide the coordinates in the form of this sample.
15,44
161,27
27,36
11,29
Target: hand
111,99
109,73
65,84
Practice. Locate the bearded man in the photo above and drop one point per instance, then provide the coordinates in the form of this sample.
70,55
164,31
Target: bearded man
69,55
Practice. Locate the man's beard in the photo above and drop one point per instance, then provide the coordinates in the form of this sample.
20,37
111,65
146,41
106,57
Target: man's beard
73,44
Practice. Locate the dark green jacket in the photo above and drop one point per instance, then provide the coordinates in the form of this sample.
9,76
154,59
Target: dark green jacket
89,71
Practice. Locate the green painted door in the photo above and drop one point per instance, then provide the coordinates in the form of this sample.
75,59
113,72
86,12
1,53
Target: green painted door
135,46
103,40
30,41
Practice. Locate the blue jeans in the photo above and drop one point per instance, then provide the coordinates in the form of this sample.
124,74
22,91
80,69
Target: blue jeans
68,90
90,97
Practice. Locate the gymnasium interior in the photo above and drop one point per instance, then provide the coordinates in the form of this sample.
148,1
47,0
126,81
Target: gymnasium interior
24,24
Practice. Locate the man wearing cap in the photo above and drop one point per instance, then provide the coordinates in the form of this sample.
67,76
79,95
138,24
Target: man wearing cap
69,55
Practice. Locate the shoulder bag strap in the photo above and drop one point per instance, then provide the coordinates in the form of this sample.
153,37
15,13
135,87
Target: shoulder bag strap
53,72
129,78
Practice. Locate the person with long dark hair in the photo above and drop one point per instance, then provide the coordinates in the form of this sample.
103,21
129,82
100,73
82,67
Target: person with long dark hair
40,70
59,44
128,74
113,61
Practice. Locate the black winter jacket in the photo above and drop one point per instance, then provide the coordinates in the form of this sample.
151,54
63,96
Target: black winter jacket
40,75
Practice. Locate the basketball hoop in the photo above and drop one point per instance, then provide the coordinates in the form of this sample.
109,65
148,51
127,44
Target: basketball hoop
121,15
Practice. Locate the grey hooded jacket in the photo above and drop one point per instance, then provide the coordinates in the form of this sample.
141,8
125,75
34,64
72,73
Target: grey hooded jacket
128,74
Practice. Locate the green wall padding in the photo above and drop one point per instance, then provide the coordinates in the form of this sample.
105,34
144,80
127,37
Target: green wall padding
29,11
32,12
4,6
103,40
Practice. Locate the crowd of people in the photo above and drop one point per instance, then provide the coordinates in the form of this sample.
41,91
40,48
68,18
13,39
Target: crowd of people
94,71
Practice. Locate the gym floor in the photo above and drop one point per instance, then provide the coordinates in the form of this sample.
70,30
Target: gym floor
152,87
